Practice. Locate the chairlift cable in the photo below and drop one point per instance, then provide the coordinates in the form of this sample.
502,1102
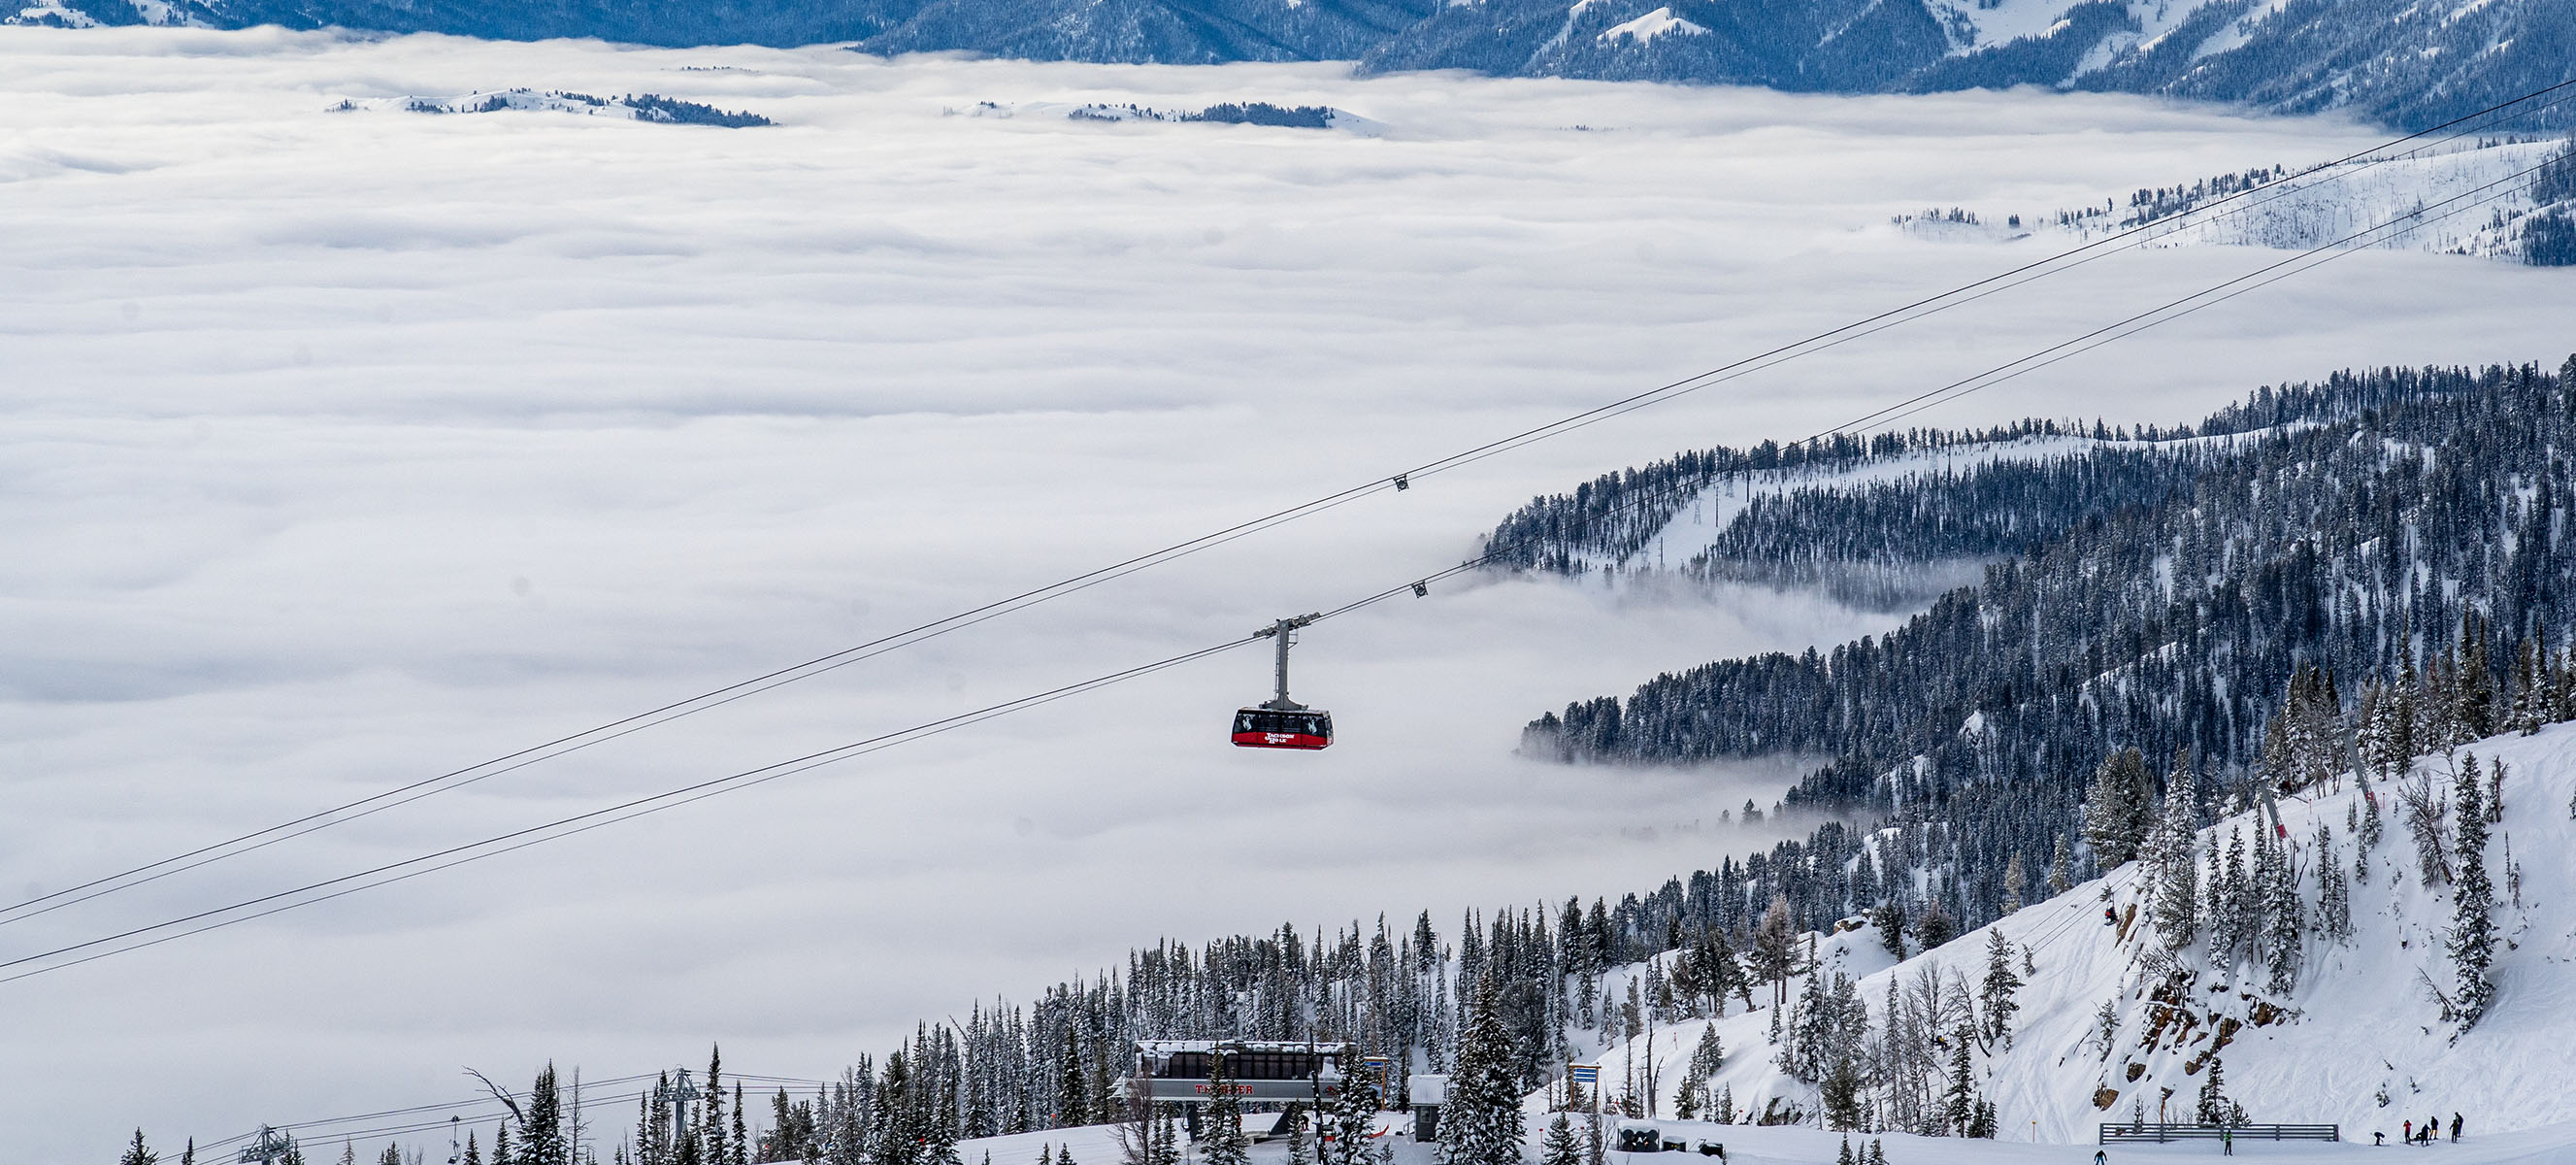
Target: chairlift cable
640,806
241,843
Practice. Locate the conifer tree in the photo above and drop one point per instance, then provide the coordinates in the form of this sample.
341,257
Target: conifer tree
1483,1113
1840,1094
2174,849
1888,917
1300,1151
1560,1146
1995,995
1073,1094
1959,1104
711,1122
2283,909
138,1154
2119,808
2334,898
2214,1106
1934,926
2061,869
541,1133
2472,938
740,1152
1225,1142
1349,1115
188,1155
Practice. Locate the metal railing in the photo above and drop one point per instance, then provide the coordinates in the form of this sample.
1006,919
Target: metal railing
2135,1132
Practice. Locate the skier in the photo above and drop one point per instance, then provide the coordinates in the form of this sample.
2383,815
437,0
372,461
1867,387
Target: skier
2101,1158
2109,917
2227,1141
2406,1135
2455,1128
2378,1139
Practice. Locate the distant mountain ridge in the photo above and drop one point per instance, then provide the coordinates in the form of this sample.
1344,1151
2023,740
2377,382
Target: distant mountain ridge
2402,62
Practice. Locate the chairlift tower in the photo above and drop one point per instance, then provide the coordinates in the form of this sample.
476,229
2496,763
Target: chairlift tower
270,1147
678,1096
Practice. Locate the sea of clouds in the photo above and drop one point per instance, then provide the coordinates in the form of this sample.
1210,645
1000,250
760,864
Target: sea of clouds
341,449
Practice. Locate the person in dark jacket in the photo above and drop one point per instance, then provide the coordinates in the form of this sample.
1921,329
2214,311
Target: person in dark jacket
2455,1128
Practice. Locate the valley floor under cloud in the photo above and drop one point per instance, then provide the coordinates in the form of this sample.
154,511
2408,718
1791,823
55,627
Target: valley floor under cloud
340,451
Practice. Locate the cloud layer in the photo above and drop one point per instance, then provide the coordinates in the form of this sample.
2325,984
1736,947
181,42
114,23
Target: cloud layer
343,449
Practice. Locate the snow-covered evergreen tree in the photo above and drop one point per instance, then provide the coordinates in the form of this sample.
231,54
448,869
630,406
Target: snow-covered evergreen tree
1345,1127
2283,914
1481,1124
1959,1103
2119,808
2472,938
1224,1142
2214,1105
2174,851
1995,995
1560,1146
2334,897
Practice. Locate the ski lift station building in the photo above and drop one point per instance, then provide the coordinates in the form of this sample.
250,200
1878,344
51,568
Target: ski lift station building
1261,1071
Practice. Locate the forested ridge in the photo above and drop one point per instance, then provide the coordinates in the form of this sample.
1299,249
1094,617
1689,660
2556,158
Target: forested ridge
2348,526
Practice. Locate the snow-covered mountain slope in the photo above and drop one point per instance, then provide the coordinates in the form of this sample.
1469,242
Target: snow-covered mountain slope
2403,62
2396,60
2522,201
2358,1040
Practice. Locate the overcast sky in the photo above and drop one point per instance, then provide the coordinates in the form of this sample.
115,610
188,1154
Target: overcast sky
344,449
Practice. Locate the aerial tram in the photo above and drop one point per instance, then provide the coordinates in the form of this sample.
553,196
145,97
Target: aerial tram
1280,722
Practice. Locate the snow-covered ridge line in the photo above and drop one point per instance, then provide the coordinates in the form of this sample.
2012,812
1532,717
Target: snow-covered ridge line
2298,210
2115,1017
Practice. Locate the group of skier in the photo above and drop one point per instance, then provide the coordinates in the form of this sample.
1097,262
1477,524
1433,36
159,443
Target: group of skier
2422,1134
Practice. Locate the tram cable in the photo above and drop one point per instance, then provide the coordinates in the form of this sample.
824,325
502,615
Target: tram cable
457,778
477,1102
563,827
388,873
2304,261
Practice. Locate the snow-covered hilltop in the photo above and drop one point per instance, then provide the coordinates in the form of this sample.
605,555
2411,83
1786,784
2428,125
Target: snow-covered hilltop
651,107
2310,1013
2510,199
